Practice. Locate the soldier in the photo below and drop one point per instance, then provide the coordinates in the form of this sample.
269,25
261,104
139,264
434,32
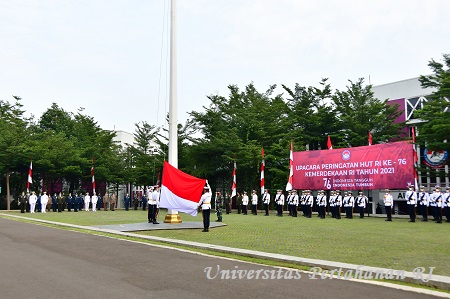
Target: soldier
289,202
54,202
149,203
155,204
338,204
309,202
126,201
388,204
76,202
99,202
144,201
254,203
438,199
432,204
424,201
227,203
244,203
350,205
205,203
294,203
60,200
44,202
94,200
345,203
266,201
38,202
321,203
32,201
279,201
69,202
239,202
361,201
332,203
112,201
302,203
105,201
411,201
136,201
218,203
447,204
23,199
87,200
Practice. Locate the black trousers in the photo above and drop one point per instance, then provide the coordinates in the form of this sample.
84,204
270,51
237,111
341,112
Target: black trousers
228,208
447,213
22,207
338,212
254,210
437,214
424,210
294,210
389,213
244,209
412,213
266,208
279,210
206,216
361,212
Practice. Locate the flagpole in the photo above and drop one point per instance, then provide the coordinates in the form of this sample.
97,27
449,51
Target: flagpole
173,216
262,171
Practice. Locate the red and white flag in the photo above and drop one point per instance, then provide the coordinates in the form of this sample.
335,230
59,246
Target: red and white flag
93,177
416,159
291,170
30,179
369,138
233,186
262,171
180,191
330,146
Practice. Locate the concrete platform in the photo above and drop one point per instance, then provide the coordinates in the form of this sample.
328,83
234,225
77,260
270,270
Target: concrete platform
133,227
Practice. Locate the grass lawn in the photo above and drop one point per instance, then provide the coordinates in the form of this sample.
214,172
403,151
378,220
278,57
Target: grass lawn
369,241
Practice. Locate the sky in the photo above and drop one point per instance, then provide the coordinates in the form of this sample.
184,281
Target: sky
111,57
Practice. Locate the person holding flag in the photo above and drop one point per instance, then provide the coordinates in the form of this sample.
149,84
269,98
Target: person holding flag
205,204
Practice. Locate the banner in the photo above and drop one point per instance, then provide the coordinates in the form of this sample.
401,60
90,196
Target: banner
378,166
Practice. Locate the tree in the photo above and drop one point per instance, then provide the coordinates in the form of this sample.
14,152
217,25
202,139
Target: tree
434,129
359,112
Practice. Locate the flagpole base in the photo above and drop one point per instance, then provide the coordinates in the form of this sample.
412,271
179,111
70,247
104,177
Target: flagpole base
173,218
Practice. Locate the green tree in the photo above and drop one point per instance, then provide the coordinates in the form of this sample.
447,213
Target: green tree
434,130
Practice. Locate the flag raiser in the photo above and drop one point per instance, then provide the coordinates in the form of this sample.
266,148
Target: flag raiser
180,191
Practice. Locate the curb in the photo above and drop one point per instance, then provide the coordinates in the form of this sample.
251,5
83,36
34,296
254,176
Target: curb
320,269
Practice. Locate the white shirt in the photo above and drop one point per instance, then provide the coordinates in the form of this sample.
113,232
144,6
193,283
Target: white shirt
266,198
362,200
322,200
94,198
205,201
87,199
411,197
295,200
424,198
32,199
338,201
437,199
245,200
155,198
279,199
254,199
388,200
44,199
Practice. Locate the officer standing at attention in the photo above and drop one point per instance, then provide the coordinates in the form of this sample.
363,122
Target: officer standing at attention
424,201
23,202
60,199
54,202
447,204
338,204
149,204
87,200
205,203
76,202
266,201
32,201
244,203
321,203
289,202
155,204
345,203
294,203
126,201
44,202
432,204
351,205
279,201
438,199
136,201
105,201
411,201
94,200
332,203
69,201
99,202
239,202
302,203
388,204
309,202
218,203
254,203
361,201
227,203
112,201
144,200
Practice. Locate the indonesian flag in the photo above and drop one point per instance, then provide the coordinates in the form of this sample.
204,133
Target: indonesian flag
93,177
370,138
416,159
30,179
330,146
291,170
180,191
233,186
262,171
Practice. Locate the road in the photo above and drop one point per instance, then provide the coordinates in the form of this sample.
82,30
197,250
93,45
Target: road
43,262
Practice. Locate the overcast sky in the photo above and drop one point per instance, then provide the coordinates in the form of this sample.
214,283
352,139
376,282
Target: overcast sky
111,56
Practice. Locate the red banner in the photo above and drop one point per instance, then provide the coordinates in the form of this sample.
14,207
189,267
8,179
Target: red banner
379,166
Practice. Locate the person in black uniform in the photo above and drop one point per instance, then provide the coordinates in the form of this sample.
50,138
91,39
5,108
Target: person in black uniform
126,201
69,202
23,199
54,202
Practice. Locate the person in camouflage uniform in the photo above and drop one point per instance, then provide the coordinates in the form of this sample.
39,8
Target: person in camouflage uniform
219,204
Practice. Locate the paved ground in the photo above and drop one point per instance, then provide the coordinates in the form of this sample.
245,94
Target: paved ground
43,262
132,227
